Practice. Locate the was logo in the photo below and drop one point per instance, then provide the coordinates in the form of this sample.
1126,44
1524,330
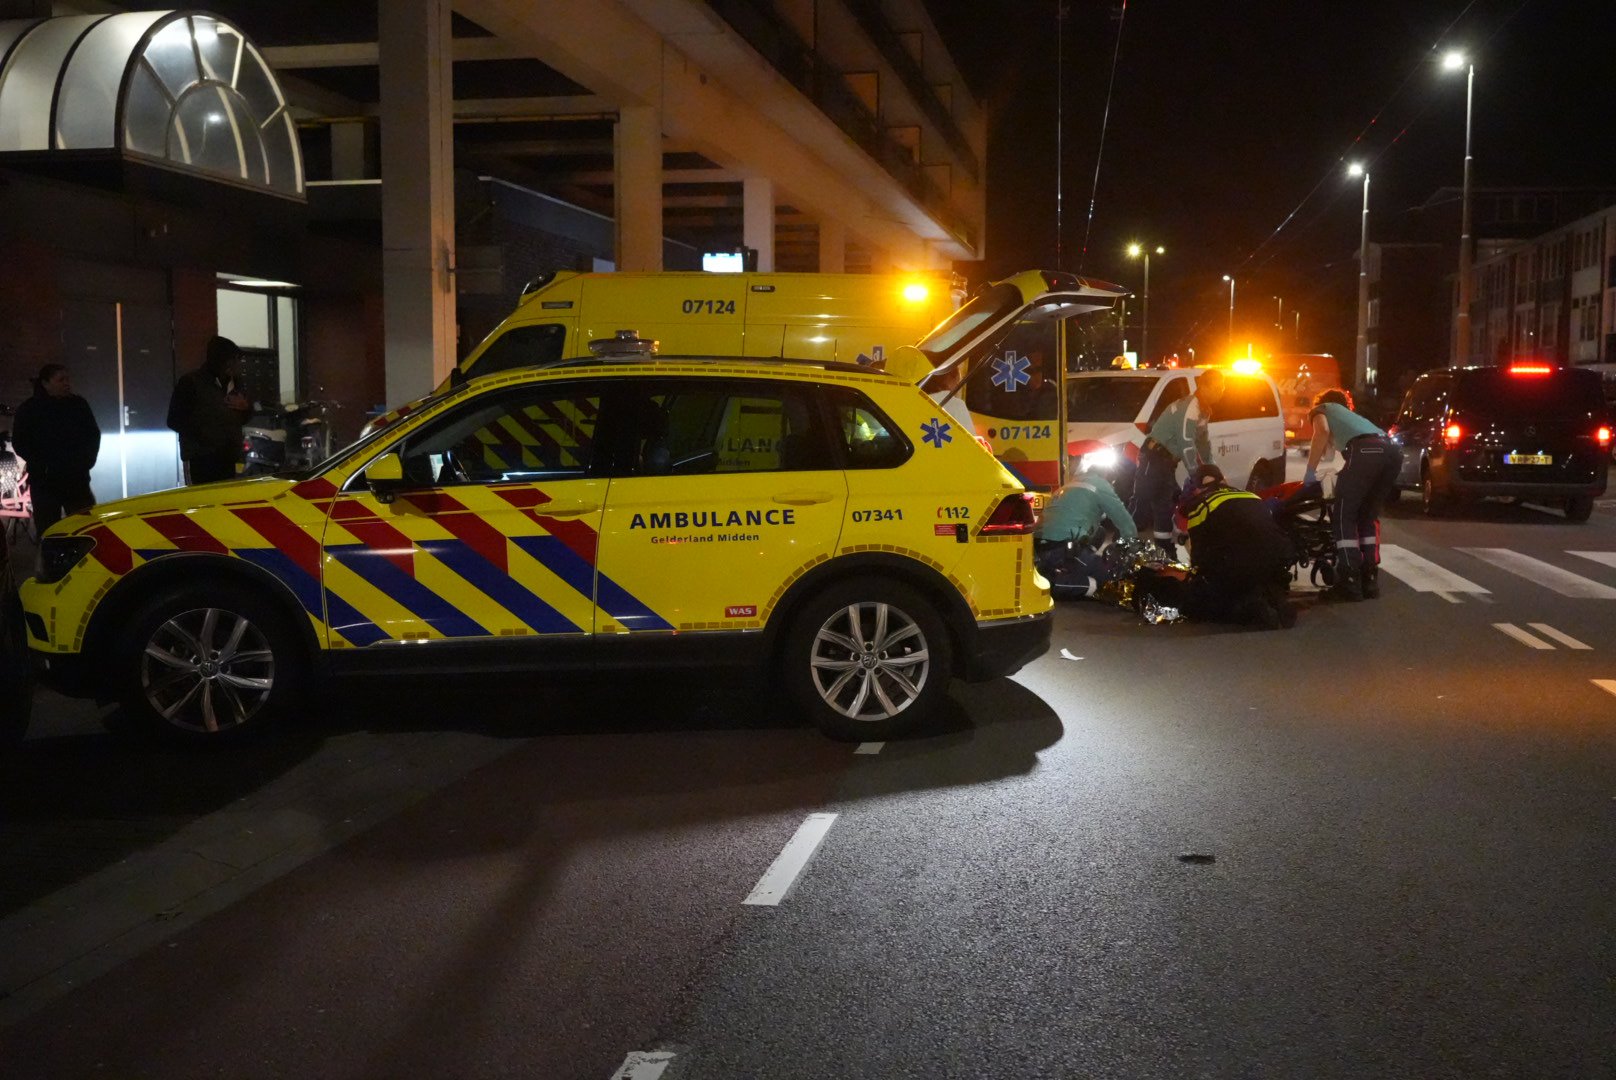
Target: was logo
1010,372
935,432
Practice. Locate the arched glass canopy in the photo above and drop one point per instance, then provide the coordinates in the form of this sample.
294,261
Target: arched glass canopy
185,88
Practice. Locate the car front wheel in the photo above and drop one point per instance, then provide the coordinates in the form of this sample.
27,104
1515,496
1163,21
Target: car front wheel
209,665
867,660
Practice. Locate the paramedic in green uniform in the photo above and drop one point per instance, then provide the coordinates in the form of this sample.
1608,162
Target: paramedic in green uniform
1179,434
1070,537
1370,462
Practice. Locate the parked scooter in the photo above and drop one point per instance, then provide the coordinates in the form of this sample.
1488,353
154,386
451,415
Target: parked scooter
280,437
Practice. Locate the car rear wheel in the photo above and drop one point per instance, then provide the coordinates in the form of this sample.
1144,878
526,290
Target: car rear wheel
209,665
1579,507
867,660
1433,500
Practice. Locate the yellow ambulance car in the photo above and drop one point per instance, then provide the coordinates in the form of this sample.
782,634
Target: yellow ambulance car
819,519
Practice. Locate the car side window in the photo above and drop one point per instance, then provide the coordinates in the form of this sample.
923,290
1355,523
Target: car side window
1245,399
1176,388
712,426
522,346
543,432
867,439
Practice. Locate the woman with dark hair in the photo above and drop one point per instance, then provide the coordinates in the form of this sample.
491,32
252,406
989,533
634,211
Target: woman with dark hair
56,434
1369,465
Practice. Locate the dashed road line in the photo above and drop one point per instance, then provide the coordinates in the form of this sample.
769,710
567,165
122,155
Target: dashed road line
782,873
1541,573
1529,640
1608,685
869,748
644,1065
1565,639
1423,575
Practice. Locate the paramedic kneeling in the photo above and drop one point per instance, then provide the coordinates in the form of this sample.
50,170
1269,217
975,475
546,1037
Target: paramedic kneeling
1240,557
1071,537
1370,463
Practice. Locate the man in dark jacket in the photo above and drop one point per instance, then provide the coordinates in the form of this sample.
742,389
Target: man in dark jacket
208,413
56,434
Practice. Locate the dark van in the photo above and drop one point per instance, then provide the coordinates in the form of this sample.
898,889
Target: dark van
1525,430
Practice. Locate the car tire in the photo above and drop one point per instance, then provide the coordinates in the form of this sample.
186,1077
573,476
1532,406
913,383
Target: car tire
209,665
841,678
1433,501
1578,508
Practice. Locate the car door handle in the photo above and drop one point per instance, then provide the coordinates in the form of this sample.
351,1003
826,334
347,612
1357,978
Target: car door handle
803,498
574,510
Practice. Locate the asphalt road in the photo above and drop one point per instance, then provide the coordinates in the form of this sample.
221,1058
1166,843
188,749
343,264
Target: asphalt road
1404,818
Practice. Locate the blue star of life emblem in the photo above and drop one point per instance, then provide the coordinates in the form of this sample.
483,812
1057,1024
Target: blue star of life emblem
1010,372
935,432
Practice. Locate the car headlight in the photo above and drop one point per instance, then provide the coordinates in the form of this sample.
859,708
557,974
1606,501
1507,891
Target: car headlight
1104,459
59,554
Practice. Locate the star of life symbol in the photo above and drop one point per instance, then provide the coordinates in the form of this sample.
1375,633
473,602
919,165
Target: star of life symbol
1010,372
935,431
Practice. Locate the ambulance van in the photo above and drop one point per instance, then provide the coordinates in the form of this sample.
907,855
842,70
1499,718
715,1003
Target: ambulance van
843,318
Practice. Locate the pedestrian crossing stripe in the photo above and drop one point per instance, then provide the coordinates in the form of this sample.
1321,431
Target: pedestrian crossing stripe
1541,573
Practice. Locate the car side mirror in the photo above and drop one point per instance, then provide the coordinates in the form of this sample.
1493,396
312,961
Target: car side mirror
458,376
385,477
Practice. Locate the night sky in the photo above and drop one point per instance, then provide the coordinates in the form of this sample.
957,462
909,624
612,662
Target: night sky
1225,116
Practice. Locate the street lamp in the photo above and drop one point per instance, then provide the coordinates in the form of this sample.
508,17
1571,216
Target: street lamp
1360,376
1136,250
1453,61
1230,279
1279,314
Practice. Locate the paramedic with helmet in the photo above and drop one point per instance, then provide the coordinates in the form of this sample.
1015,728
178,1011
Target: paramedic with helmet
1179,434
1370,462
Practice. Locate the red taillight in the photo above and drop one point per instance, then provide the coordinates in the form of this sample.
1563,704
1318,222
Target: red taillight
1452,434
1014,516
1530,369
1603,435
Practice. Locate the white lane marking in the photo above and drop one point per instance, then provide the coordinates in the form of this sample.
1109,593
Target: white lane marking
1067,653
1606,684
1450,598
1604,558
869,748
1522,636
1539,572
782,873
643,1065
1565,639
1423,575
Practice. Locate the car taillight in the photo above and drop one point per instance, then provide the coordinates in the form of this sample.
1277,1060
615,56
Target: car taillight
1530,369
1014,516
1603,435
1452,434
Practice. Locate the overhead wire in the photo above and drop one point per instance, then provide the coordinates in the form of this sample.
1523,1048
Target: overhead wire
1105,123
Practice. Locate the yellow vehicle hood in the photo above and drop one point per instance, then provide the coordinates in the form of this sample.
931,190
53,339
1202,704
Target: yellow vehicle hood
177,500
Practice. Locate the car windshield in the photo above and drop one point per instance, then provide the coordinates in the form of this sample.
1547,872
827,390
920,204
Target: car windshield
1101,399
1499,394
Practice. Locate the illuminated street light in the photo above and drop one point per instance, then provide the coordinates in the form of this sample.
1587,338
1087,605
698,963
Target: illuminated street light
1135,250
1454,61
1361,375
1230,279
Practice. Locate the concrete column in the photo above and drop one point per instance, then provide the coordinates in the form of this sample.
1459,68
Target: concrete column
637,187
417,195
832,247
757,219
348,151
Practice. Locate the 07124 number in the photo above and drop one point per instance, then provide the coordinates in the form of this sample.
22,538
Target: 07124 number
708,307
877,515
1026,431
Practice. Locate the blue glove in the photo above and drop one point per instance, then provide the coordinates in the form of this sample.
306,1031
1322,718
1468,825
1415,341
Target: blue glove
1310,477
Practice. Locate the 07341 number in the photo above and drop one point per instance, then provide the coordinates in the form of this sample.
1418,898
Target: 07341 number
877,515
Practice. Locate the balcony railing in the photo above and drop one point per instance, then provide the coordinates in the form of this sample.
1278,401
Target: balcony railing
778,42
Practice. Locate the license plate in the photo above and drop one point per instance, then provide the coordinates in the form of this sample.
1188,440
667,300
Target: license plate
1515,457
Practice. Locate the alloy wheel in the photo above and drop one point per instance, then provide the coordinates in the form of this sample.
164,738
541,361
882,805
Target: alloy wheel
870,661
207,670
